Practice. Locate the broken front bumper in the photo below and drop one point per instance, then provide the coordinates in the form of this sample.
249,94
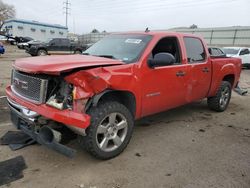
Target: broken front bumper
24,116
71,119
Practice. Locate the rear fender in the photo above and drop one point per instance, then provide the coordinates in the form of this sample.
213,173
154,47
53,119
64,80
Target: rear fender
219,74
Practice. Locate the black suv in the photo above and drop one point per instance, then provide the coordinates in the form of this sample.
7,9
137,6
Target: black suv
55,46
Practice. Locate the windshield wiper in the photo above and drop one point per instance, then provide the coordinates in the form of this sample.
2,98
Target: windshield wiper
85,53
107,56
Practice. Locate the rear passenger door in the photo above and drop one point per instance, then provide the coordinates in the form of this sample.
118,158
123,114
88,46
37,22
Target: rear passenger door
200,68
54,46
65,46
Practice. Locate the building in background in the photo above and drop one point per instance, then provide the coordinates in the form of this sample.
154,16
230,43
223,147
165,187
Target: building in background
36,30
221,36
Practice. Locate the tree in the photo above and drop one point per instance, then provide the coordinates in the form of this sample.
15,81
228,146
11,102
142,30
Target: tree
94,31
193,26
6,12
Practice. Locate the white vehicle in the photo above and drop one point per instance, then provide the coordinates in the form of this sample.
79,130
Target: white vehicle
24,45
240,52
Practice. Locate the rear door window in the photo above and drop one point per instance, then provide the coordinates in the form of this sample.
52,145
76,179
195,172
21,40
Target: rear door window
195,50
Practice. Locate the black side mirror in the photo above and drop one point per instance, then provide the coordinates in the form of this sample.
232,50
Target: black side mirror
161,59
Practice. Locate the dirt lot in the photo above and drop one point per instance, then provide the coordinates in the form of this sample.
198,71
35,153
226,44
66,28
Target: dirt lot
189,147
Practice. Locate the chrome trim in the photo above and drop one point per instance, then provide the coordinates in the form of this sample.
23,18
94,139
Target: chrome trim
43,88
153,94
25,98
31,116
22,111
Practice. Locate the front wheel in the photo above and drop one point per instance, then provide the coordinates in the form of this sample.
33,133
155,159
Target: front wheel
222,98
42,52
110,130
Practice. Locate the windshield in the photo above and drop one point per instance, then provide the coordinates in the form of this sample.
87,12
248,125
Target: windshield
231,51
126,48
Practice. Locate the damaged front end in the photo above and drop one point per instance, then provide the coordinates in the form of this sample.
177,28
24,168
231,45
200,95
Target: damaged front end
50,104
42,104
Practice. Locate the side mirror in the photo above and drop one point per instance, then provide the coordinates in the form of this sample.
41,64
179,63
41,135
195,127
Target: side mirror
52,44
161,59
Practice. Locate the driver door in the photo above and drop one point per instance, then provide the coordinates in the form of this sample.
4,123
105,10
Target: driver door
165,87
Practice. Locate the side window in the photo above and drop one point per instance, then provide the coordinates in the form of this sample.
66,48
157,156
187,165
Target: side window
195,50
64,42
215,52
220,52
168,45
244,52
53,42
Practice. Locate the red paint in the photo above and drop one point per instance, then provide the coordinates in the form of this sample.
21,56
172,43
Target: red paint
58,64
167,90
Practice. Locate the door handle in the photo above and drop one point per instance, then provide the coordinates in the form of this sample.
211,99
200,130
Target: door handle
205,69
180,73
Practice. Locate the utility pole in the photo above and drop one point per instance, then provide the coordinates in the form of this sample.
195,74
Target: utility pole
67,8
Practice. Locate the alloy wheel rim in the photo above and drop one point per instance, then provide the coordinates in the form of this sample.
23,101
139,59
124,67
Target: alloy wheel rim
224,97
111,132
42,53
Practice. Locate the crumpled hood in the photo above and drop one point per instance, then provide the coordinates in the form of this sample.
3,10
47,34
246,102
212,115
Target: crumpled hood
61,63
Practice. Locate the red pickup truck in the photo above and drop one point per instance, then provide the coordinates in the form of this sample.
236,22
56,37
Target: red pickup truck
121,78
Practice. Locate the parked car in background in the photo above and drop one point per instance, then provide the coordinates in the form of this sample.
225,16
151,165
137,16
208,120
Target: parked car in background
15,40
23,39
55,46
2,50
216,51
24,45
240,52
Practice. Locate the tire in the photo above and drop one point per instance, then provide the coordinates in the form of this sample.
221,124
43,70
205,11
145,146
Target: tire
109,132
77,52
42,52
222,98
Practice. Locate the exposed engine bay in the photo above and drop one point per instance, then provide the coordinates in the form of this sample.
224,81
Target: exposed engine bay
60,94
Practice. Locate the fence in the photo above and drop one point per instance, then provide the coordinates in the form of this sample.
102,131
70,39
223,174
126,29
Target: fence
91,38
232,36
227,36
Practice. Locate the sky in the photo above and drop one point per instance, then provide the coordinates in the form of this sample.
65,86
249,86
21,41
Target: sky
134,15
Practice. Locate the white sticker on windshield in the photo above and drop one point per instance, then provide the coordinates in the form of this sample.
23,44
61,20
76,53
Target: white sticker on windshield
134,41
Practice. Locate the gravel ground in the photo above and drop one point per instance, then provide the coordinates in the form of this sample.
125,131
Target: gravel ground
189,147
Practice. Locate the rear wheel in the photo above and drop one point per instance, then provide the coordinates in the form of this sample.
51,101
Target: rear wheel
42,52
77,52
222,98
110,130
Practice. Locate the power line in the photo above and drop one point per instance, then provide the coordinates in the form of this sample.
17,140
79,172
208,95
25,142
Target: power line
67,8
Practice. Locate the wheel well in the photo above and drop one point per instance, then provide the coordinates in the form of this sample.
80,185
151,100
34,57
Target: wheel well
78,49
124,97
230,78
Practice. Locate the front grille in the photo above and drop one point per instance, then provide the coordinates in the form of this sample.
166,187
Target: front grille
29,87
